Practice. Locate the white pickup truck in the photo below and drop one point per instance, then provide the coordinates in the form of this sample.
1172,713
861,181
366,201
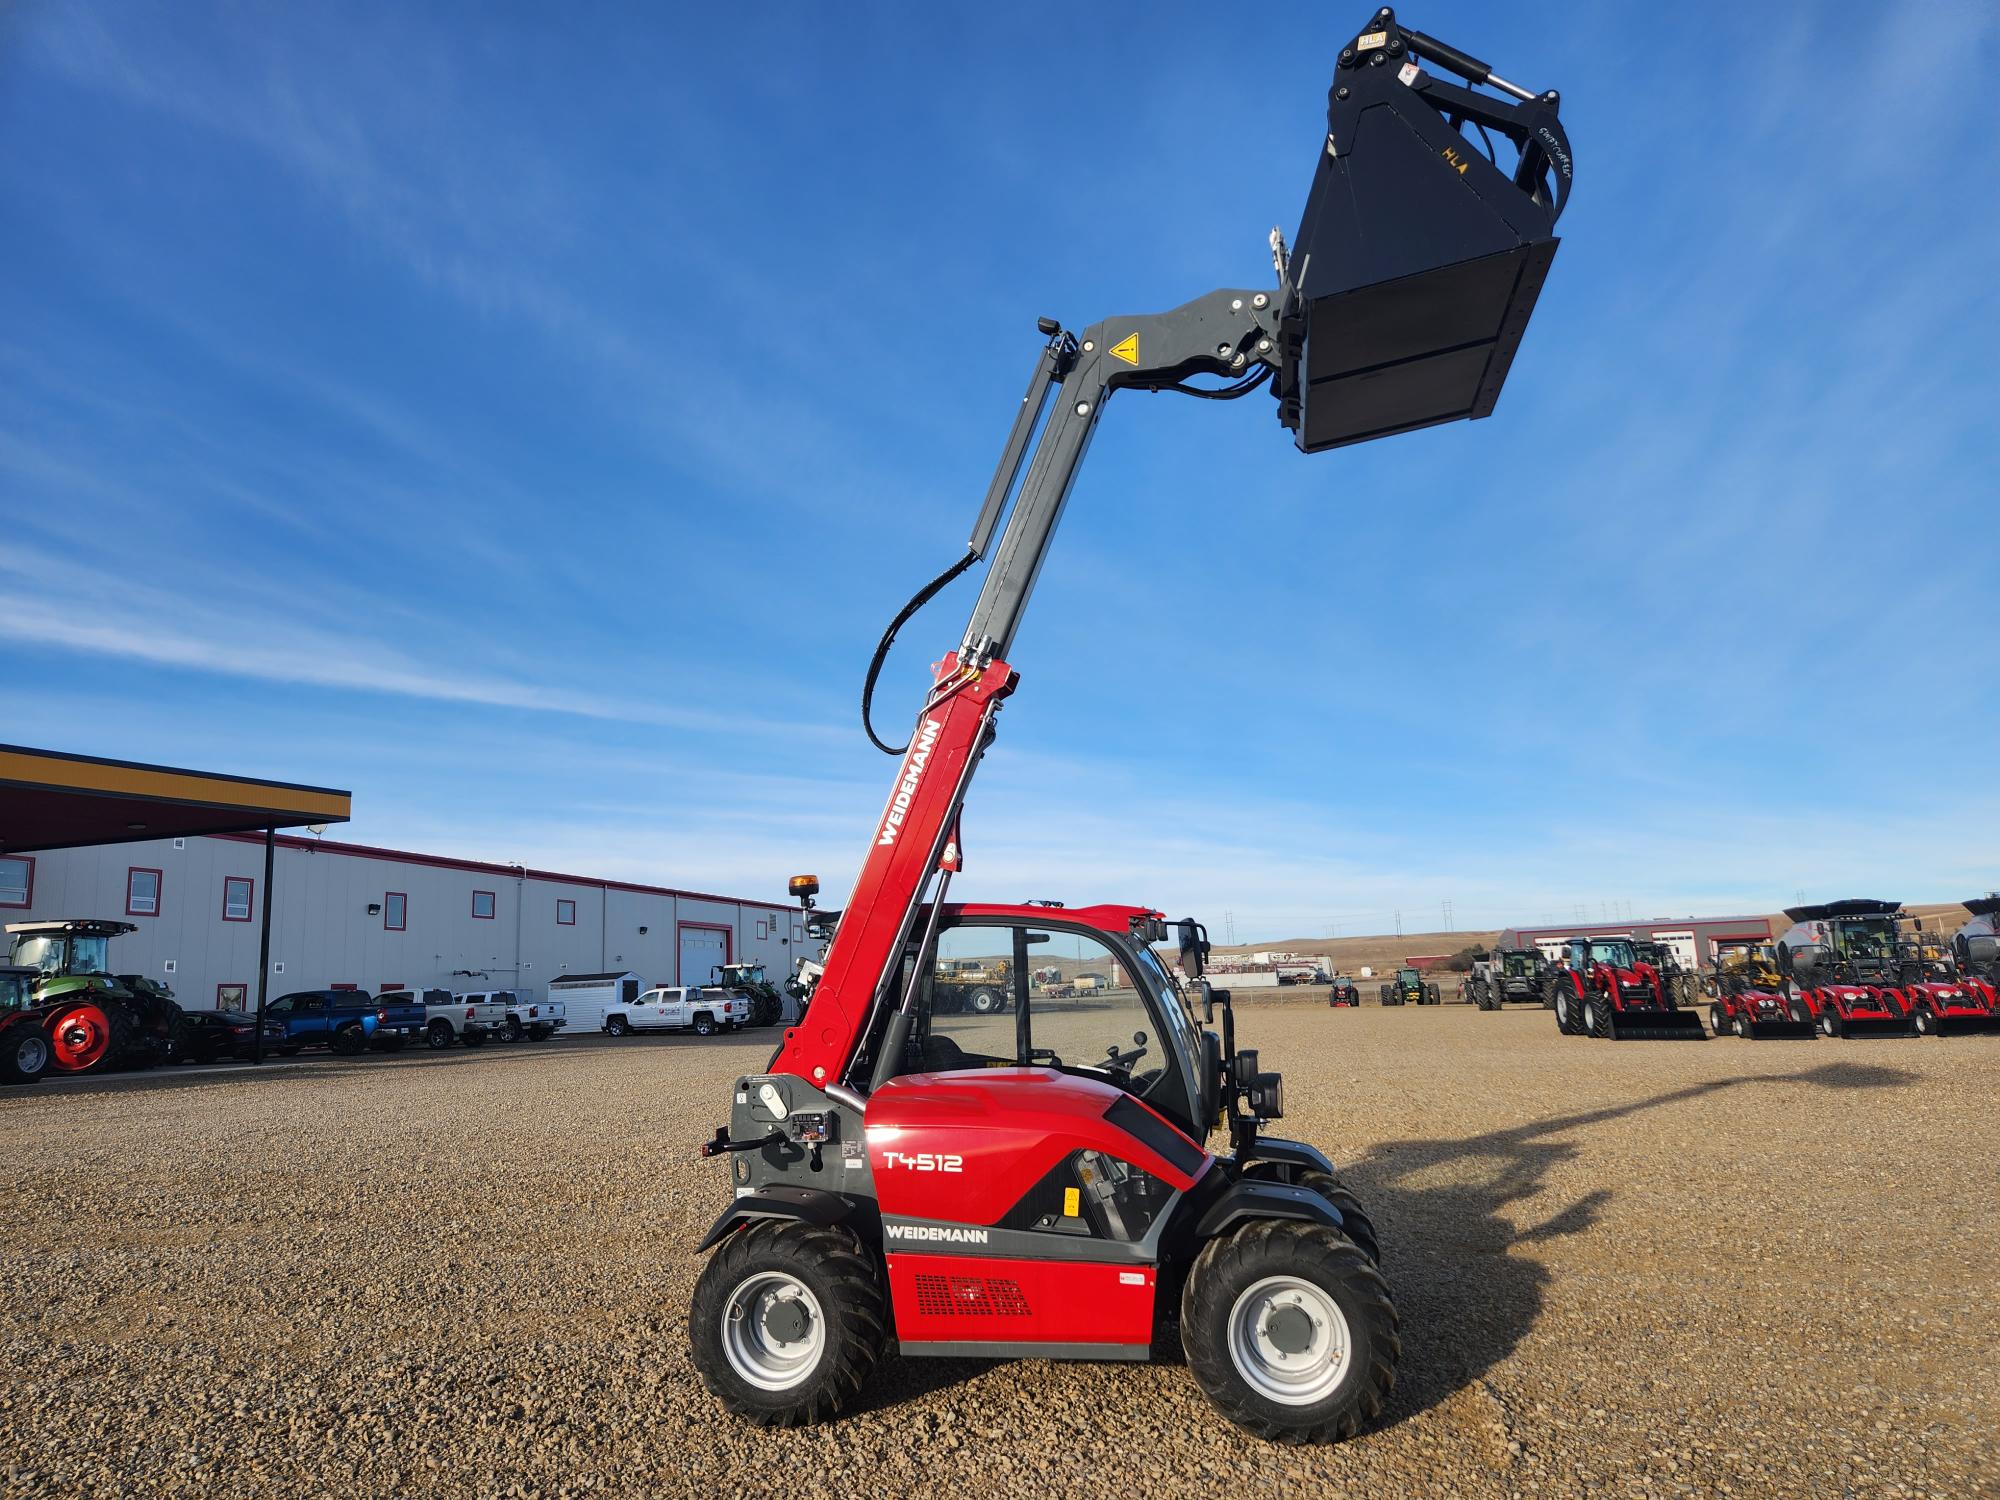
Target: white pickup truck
452,1018
679,1008
524,1019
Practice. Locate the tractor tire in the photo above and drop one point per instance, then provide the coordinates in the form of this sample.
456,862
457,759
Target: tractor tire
25,1052
1567,1023
1360,1228
348,1041
984,1002
1432,995
1718,1021
86,1037
704,1024
1925,1020
615,1026
1597,1017
827,1292
1801,1013
1829,1022
1290,1332
437,1035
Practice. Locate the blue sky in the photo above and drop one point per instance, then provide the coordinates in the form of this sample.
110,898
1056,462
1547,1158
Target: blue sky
528,418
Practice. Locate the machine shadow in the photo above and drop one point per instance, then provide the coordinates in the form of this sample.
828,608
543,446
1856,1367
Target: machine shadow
1465,1302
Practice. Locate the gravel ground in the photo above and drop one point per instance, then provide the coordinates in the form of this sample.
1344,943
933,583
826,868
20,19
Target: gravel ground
1623,1269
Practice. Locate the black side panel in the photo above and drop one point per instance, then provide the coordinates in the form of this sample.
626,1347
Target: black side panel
1139,1122
780,1201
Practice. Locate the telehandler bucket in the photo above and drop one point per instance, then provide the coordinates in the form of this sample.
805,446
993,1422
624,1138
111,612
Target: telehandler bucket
1422,249
1670,1025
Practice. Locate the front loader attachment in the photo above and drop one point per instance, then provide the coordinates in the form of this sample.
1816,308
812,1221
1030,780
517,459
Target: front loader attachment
1669,1025
1423,246
1775,1030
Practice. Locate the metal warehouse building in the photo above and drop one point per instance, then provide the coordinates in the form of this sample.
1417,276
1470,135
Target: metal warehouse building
1691,940
378,919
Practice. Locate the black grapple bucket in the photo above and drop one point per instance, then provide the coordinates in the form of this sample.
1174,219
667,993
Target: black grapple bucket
1419,258
1657,1026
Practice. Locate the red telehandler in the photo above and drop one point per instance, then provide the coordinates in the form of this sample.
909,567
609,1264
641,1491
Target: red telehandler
1037,1180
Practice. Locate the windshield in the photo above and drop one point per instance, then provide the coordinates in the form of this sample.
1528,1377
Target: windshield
1177,1012
45,951
1515,963
1872,937
1407,975
1614,951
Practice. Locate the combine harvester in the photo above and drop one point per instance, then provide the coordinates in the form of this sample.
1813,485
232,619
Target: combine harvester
1604,989
1747,993
1043,1184
1842,967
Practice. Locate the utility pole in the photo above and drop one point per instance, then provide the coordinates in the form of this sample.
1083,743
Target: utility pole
1447,918
1229,928
1399,924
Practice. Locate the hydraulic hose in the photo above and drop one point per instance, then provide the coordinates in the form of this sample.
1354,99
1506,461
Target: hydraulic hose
924,596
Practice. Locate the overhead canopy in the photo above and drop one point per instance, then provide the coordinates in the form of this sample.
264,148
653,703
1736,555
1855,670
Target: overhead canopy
49,800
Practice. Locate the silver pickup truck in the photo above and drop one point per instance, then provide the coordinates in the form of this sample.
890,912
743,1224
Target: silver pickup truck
450,1018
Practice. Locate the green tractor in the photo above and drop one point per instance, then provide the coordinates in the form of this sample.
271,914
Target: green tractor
767,1006
95,1020
1410,988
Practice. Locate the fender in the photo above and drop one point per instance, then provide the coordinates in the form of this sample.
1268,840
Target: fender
1271,1159
1248,1200
781,1201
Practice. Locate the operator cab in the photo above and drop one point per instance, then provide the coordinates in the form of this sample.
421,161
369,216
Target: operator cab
1079,991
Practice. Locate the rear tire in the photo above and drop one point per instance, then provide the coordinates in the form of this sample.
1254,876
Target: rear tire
438,1034
1718,1021
348,1041
1290,1332
828,1295
1359,1227
86,1037
983,1002
704,1024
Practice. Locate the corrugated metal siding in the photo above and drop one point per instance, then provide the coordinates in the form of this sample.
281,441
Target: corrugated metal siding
322,932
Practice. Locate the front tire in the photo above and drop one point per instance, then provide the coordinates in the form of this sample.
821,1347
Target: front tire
1566,1021
1597,1016
25,1053
1925,1020
787,1322
1359,1227
1829,1022
1718,1021
1290,1332
616,1026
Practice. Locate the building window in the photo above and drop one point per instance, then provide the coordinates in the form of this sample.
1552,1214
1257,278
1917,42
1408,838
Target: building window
763,928
232,997
236,895
142,892
395,911
565,914
17,881
482,905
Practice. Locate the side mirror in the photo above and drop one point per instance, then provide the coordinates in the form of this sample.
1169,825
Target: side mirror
1194,948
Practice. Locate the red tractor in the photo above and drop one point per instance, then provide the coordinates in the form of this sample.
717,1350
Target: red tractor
1604,989
1746,994
1943,999
1842,967
1038,1180
1975,952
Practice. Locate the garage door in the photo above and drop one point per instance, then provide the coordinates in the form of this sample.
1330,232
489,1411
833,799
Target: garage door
702,948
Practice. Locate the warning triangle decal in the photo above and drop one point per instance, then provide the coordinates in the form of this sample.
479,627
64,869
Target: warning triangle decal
1127,349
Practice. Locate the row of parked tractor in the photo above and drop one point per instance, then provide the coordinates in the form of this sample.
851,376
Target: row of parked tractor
62,1011
1854,968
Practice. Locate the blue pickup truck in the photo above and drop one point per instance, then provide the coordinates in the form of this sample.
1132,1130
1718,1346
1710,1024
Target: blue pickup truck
345,1020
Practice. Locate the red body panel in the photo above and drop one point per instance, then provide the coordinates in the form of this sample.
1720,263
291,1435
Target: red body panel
1960,1001
909,838
961,1298
1854,1002
965,1147
1117,919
